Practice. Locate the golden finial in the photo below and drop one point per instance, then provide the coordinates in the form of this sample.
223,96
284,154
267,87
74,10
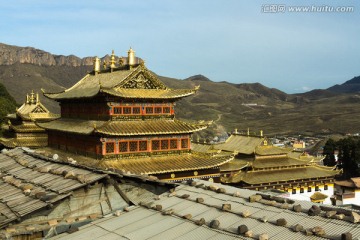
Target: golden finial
104,64
248,132
236,131
261,133
27,99
131,57
32,97
96,65
112,60
37,98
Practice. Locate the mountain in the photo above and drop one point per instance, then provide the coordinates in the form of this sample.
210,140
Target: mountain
7,103
242,106
351,86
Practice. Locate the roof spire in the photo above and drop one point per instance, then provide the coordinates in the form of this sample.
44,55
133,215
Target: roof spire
131,57
261,133
112,60
27,99
96,65
248,132
32,97
37,98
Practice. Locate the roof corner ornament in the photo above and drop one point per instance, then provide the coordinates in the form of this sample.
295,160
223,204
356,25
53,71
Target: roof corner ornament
96,65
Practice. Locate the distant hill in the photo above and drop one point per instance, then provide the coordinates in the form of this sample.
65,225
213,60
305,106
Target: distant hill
242,106
351,86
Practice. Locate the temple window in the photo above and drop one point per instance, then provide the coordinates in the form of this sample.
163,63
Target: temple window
166,110
301,190
173,144
110,147
316,188
149,110
309,189
123,146
326,187
117,110
155,144
164,144
133,146
184,143
293,191
136,110
142,145
127,110
158,110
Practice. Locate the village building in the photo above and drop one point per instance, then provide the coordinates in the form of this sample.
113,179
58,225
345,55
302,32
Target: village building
21,128
347,192
258,165
124,116
42,196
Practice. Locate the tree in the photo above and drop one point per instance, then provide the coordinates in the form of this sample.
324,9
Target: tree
329,152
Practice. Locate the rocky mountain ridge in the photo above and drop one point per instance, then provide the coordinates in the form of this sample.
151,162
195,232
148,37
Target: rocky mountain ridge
10,55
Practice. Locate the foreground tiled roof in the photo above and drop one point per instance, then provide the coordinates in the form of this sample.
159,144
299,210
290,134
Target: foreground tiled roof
289,174
148,127
214,211
29,183
166,164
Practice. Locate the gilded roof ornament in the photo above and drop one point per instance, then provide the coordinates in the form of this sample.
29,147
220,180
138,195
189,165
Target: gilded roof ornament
112,60
96,65
131,57
104,64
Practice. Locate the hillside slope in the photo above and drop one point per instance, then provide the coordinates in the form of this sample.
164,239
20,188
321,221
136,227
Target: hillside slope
230,105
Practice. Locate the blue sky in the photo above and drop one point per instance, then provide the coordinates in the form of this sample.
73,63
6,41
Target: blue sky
225,40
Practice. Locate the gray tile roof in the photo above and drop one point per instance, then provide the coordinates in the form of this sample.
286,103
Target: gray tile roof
145,222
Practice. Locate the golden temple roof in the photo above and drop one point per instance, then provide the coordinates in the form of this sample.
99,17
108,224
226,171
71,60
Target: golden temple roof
149,93
123,128
24,142
240,143
289,174
318,197
71,125
274,162
166,164
33,109
137,82
148,127
271,150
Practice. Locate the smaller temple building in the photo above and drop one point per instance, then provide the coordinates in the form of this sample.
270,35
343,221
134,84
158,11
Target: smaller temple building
21,129
258,165
347,192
